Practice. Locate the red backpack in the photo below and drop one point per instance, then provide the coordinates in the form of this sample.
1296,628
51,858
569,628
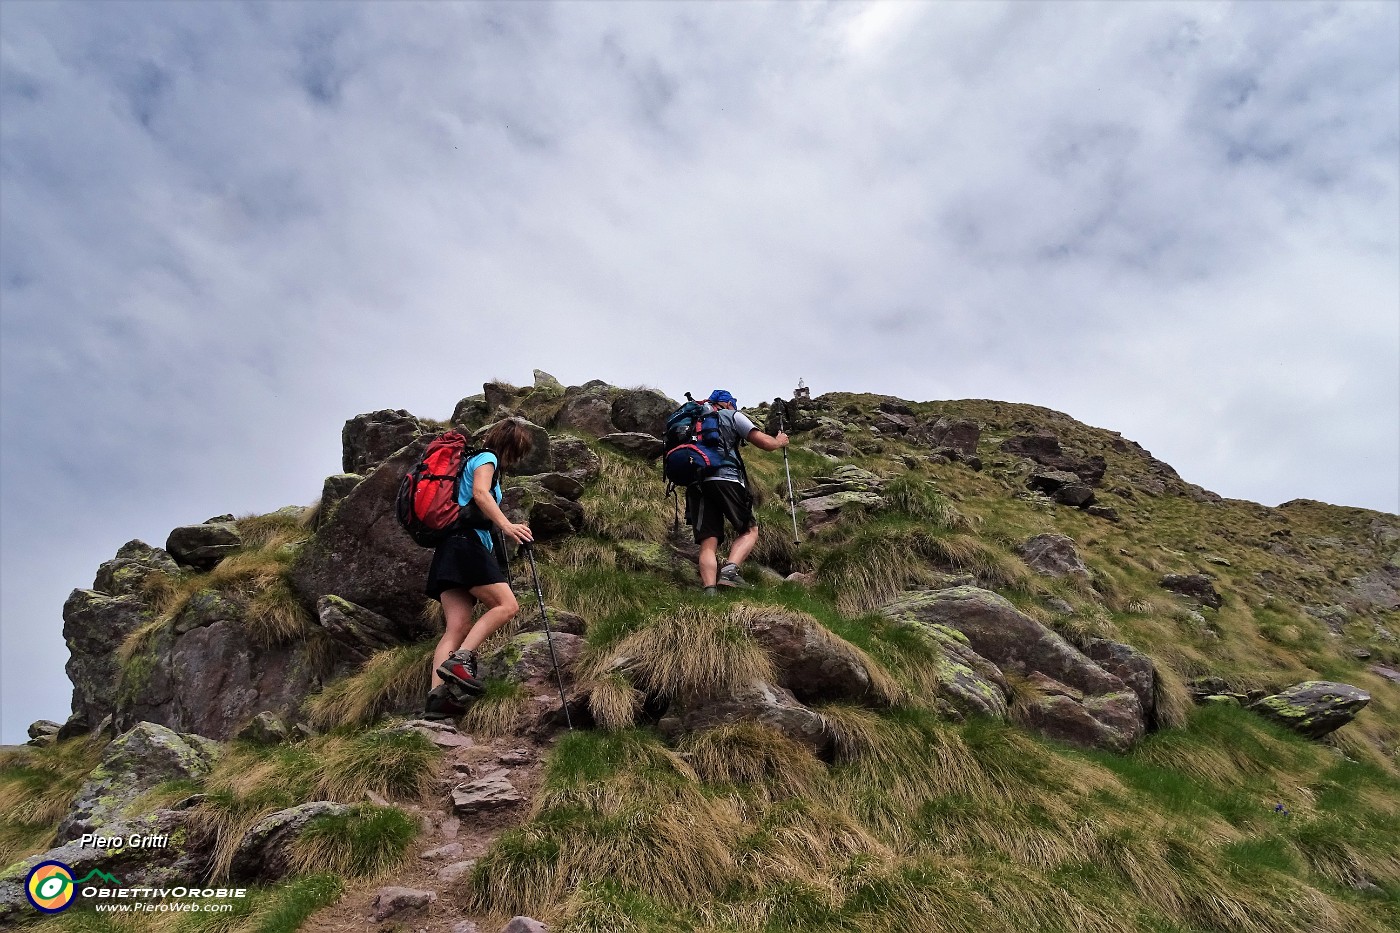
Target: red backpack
427,502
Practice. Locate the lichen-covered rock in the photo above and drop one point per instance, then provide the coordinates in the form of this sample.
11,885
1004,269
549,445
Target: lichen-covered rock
133,764
337,487
1194,586
363,555
136,560
1379,589
359,631
757,701
203,546
549,515
526,659
642,411
1045,449
213,679
266,728
184,858
368,440
573,458
1018,644
1110,721
635,444
1053,555
1130,666
559,621
264,852
207,607
1315,707
561,484
94,626
43,729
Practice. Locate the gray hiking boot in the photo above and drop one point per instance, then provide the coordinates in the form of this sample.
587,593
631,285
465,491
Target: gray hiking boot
729,576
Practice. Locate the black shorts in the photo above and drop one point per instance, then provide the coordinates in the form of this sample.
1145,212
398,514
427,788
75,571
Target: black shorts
462,561
709,504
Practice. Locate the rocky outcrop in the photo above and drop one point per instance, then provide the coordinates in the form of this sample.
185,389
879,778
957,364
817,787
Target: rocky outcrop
537,460
337,487
1314,708
1130,666
363,555
1053,556
212,679
588,413
202,547
573,458
527,660
125,574
1045,449
133,764
959,434
549,515
94,626
848,488
1108,714
368,440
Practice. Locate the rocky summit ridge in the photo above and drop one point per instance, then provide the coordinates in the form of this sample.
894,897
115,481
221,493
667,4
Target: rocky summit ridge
1012,653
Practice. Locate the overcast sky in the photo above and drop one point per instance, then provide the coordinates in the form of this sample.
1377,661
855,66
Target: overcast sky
227,228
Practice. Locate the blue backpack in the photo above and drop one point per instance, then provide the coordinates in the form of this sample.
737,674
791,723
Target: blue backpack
695,445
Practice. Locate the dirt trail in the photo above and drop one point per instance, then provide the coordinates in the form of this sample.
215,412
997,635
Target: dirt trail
516,758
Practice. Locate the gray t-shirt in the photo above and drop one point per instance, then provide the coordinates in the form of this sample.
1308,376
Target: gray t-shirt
735,425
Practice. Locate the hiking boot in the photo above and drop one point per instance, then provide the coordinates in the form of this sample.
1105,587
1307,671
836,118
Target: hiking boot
710,591
460,670
442,704
729,576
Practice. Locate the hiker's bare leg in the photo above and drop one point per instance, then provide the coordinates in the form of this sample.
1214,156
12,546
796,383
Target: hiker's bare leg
457,607
709,562
743,544
501,607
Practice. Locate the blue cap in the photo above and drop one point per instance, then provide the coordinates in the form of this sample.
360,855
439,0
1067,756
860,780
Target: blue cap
719,395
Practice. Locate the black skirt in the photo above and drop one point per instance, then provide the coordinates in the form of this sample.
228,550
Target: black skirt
462,561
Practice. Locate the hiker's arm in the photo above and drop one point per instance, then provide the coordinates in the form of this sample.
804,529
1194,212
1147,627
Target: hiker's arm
481,495
767,441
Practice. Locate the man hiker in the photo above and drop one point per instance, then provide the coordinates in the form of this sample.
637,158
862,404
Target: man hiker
724,496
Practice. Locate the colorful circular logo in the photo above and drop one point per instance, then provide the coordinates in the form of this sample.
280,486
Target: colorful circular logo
50,887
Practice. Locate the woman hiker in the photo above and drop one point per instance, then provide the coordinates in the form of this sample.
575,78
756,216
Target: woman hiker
465,572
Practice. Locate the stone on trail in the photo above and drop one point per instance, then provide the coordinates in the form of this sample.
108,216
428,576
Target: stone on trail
492,792
264,852
1053,556
394,900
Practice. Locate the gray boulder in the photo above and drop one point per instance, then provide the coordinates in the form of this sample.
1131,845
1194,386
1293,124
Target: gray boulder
1018,644
266,728
549,515
368,440
1111,721
757,701
1051,481
363,555
133,764
124,574
206,607
523,925
203,546
1045,449
1053,556
573,458
1379,589
1194,586
810,661
1130,666
961,435
1315,707
642,411
587,414
264,852
393,901
489,792
635,444
1076,495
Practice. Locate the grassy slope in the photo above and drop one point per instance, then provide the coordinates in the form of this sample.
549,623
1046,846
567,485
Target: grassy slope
918,822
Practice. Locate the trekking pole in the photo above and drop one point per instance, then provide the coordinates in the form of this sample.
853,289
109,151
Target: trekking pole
529,550
792,506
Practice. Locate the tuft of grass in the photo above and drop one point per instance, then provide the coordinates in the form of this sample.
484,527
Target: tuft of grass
757,759
628,501
369,841
686,651
914,496
613,701
391,680
37,787
504,709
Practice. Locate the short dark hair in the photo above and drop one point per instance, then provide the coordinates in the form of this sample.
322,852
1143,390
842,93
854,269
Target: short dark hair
509,440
